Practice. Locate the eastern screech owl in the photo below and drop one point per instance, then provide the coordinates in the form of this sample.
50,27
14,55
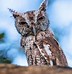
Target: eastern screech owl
37,40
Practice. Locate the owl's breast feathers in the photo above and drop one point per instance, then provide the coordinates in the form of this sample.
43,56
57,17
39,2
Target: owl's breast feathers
48,47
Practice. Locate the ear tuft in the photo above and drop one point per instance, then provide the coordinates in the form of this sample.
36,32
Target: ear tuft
15,14
43,5
12,11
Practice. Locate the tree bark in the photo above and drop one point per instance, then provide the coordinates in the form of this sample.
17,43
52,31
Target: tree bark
14,69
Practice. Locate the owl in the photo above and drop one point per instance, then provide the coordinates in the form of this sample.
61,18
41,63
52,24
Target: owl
37,39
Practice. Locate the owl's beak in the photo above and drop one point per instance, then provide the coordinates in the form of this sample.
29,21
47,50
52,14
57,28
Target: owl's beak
34,30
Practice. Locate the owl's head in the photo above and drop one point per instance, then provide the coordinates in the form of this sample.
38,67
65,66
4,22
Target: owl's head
31,22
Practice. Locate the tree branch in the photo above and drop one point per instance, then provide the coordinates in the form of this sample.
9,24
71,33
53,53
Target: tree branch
13,69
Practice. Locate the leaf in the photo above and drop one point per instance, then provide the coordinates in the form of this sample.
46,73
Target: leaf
2,35
4,60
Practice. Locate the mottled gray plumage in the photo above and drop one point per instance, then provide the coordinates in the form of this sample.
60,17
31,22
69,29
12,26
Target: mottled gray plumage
37,39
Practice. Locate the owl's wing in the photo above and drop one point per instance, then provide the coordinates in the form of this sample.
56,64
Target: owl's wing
56,51
49,48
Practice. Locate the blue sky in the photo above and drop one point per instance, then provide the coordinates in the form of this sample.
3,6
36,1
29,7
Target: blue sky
60,15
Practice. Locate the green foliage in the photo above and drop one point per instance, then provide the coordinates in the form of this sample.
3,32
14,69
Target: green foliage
4,60
2,35
3,57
